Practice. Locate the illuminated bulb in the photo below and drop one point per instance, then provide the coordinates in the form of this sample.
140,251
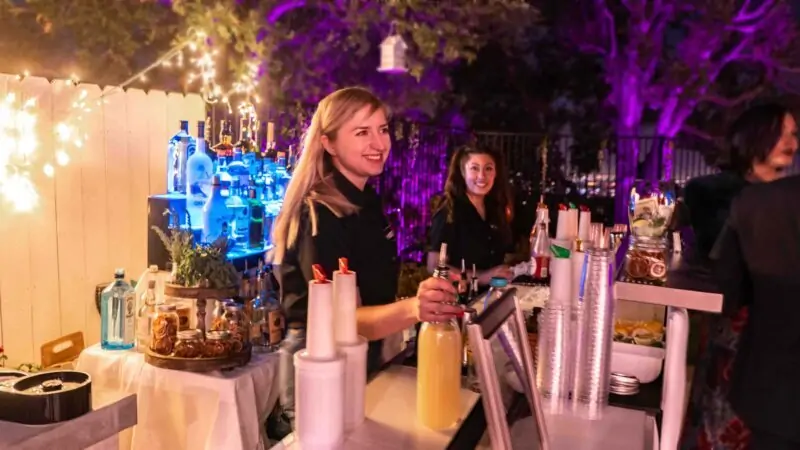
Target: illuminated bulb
143,78
64,132
62,158
20,192
78,143
10,97
49,170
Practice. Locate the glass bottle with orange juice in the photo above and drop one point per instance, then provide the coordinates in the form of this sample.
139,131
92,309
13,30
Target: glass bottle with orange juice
439,354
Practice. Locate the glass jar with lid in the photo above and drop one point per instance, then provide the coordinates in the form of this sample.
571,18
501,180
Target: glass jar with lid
217,320
164,333
217,344
646,260
238,325
189,345
650,212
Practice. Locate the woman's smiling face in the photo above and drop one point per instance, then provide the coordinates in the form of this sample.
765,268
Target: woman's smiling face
479,173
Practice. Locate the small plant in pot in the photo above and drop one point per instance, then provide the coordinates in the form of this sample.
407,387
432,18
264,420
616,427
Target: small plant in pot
198,265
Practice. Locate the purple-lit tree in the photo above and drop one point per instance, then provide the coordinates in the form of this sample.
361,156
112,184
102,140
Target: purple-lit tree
663,57
308,47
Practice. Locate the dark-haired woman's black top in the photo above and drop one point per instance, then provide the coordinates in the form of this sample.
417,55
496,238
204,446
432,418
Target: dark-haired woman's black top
469,236
365,239
708,199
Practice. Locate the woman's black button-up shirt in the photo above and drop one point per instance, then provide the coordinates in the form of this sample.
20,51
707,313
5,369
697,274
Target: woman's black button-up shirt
365,239
469,236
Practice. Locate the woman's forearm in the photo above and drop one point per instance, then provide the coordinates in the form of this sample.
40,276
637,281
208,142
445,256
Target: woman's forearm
378,322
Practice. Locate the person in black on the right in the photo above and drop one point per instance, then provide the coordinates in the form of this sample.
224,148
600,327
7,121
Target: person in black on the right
757,261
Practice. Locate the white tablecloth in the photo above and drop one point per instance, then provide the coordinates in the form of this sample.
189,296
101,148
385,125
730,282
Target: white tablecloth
183,410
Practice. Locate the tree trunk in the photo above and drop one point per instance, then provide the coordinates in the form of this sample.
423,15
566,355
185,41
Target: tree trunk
626,172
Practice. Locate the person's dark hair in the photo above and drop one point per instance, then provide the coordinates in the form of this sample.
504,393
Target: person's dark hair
499,208
752,136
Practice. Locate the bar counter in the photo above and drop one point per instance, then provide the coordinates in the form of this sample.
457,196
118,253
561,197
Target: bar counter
391,421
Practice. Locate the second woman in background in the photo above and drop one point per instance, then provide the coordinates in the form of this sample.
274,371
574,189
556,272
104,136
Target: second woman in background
475,214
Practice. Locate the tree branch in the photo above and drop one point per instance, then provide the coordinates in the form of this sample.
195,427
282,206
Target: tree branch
688,129
730,102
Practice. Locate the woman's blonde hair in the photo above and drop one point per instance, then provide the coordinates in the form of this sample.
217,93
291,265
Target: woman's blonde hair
312,181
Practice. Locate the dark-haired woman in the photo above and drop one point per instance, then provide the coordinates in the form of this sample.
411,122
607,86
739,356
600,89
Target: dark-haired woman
761,145
473,217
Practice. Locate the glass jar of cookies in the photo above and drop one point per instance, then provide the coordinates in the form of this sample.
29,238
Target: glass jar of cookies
217,344
238,326
189,345
164,333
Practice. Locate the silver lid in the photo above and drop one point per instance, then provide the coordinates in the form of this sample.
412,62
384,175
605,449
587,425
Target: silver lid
189,335
218,335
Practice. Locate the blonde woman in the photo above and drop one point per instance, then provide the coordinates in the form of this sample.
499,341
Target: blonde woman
330,212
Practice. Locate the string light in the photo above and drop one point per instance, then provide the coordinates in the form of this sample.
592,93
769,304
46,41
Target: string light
18,134
18,120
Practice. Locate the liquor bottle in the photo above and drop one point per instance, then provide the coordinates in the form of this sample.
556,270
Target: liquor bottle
199,172
474,286
274,313
224,148
216,217
439,355
540,254
256,224
145,315
259,331
239,214
177,155
237,168
291,160
463,285
118,314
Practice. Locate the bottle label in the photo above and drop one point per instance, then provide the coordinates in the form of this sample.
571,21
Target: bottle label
129,329
540,266
275,319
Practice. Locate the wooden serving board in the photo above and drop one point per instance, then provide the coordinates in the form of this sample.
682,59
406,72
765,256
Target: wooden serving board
198,364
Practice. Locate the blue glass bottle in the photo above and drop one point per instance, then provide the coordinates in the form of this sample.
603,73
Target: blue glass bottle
118,314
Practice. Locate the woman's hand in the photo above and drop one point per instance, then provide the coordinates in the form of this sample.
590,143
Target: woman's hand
501,271
437,301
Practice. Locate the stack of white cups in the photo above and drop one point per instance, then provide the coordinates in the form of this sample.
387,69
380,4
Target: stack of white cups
350,344
330,374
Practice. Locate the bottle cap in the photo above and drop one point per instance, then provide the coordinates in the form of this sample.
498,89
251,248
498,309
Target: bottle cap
119,273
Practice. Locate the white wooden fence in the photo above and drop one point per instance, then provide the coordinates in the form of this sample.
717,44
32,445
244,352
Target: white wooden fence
92,215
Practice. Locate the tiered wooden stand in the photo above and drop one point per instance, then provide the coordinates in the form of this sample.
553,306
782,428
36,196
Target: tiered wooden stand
200,364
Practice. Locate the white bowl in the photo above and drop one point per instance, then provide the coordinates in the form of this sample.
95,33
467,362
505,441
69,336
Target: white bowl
641,361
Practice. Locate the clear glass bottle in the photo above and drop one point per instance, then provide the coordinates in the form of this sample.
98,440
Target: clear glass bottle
118,314
439,353
145,316
177,155
199,174
216,217
440,349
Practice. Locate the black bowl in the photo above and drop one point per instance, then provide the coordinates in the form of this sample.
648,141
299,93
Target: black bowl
47,397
